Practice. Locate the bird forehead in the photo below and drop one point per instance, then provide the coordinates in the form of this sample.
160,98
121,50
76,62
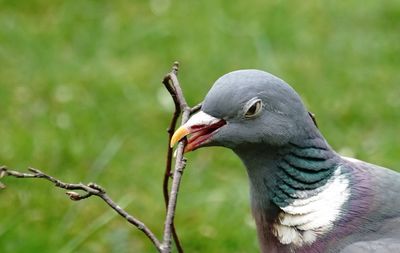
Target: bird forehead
224,102
233,90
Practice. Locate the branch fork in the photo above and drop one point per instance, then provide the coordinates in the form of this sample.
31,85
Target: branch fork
80,191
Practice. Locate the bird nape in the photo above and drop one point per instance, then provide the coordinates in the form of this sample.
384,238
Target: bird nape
304,196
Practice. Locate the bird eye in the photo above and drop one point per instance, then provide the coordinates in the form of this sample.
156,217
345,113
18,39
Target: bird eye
254,109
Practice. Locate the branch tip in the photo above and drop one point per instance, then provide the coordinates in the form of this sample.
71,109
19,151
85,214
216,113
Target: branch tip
73,196
3,172
175,67
196,108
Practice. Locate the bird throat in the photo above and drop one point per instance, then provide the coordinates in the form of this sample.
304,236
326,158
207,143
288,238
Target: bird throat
297,191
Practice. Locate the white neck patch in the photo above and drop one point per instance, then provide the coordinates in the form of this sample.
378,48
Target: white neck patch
303,220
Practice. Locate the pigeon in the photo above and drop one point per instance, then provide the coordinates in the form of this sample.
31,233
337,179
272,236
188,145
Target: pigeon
305,197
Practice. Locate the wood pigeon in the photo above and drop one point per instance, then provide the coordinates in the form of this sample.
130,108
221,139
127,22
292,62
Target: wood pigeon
305,197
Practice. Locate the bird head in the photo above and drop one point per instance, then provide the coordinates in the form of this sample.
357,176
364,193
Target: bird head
246,107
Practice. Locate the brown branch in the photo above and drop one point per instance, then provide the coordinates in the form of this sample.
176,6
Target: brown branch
195,108
180,161
170,86
89,190
165,246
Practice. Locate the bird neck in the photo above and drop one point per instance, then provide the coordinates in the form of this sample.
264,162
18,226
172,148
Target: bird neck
297,190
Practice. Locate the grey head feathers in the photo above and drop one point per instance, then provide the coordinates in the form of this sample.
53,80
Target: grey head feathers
283,116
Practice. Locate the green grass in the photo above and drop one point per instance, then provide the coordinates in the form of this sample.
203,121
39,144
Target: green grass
81,98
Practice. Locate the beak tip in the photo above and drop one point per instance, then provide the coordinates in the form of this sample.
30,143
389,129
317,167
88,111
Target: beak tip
178,135
172,143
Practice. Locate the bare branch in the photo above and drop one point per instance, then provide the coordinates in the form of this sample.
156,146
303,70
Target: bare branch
89,190
196,108
75,190
173,86
171,83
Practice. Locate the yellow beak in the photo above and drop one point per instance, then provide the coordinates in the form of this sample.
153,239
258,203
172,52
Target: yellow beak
179,134
201,127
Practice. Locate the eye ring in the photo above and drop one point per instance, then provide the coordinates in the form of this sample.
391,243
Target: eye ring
253,109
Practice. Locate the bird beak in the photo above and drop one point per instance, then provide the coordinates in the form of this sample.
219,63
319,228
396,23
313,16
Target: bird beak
201,127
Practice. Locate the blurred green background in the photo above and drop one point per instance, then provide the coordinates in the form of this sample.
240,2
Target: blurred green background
81,98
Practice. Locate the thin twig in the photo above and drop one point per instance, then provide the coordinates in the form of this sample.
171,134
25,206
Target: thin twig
170,85
180,162
165,246
195,108
89,190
